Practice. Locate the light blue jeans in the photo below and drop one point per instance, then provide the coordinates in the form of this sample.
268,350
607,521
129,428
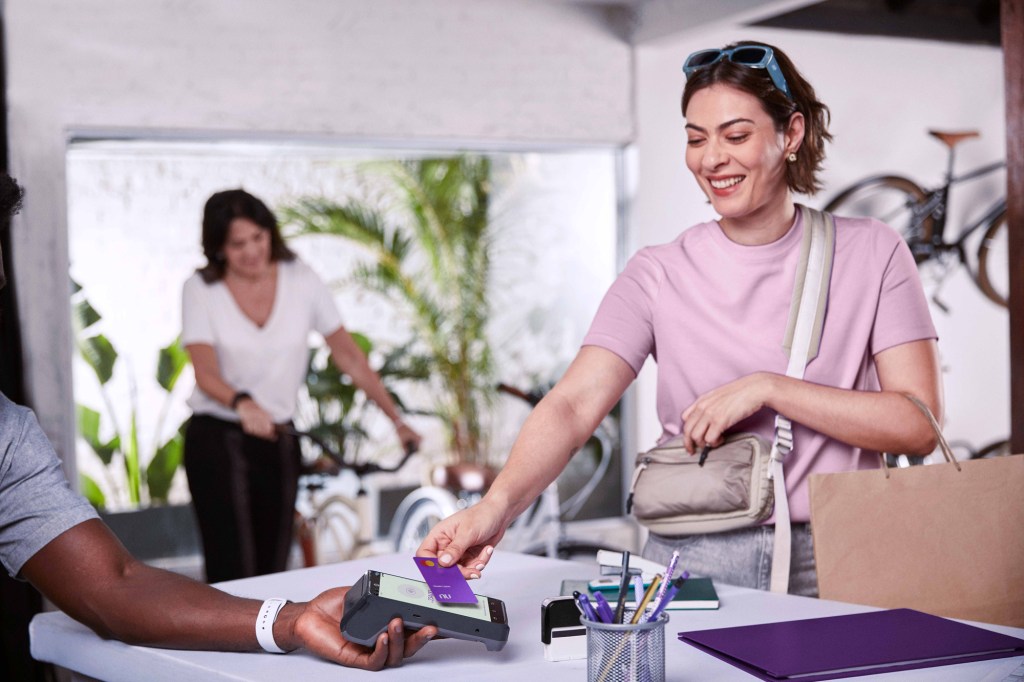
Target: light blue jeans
740,557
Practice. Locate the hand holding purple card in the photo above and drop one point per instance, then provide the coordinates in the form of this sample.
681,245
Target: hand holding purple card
447,584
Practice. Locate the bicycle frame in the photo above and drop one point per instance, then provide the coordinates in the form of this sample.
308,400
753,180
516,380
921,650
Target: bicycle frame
936,205
920,216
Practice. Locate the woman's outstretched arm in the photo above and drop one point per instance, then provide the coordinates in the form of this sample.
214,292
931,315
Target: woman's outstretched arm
555,430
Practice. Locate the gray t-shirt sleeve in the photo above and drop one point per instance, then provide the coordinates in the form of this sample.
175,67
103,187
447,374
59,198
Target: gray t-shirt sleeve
36,502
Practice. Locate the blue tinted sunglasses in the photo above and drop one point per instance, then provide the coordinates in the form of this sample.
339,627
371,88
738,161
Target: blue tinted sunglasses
751,56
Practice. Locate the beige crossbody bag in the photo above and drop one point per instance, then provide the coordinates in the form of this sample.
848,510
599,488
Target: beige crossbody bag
742,481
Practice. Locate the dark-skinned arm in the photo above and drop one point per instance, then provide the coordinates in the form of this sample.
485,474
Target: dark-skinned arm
88,574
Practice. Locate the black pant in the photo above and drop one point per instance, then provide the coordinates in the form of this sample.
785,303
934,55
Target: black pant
243,490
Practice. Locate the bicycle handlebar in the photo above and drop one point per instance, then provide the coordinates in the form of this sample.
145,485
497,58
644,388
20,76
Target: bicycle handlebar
358,469
533,397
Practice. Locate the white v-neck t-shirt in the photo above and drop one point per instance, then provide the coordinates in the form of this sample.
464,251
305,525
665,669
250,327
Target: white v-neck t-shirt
268,362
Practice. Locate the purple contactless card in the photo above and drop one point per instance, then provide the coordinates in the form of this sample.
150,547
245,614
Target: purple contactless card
447,584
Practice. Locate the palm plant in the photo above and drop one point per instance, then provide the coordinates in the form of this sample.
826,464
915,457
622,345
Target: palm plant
147,479
429,242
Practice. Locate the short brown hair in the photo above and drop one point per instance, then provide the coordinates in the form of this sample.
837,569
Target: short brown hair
802,174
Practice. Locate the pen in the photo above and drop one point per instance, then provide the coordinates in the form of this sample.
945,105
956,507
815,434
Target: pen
670,574
669,594
623,588
642,604
604,610
638,588
585,607
704,455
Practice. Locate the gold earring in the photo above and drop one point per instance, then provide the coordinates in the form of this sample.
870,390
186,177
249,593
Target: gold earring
792,157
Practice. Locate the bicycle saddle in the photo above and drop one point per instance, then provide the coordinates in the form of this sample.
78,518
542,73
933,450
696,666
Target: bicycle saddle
951,138
465,477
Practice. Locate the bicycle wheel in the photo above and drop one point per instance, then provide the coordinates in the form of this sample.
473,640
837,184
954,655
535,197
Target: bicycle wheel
336,525
993,276
891,199
1000,448
417,514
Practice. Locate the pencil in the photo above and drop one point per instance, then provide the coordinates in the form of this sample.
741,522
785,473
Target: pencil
651,589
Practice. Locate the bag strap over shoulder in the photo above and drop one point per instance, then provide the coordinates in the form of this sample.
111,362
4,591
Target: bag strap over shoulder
802,343
810,288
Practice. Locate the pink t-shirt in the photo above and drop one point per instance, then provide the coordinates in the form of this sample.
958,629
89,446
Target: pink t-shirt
711,311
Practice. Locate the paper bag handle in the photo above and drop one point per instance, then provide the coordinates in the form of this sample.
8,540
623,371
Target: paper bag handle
943,444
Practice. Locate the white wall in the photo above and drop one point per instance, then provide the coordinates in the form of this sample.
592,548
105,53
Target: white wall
883,94
458,72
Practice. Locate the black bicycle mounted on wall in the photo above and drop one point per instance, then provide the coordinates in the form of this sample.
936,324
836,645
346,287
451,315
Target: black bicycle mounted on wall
920,216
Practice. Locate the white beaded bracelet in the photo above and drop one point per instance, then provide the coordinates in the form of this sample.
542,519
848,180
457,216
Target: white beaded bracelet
265,625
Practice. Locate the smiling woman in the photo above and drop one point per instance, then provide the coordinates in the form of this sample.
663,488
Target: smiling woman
736,152
711,307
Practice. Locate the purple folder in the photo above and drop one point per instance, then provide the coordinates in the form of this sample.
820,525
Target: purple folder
853,645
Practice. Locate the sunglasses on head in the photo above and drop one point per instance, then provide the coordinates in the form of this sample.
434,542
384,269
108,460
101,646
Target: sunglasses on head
750,56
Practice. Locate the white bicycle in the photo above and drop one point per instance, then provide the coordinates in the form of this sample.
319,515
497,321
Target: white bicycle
333,518
539,530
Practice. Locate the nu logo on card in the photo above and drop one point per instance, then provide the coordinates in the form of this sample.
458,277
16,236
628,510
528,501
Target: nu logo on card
447,585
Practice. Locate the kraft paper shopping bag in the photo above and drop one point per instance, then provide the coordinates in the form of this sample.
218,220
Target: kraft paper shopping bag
946,539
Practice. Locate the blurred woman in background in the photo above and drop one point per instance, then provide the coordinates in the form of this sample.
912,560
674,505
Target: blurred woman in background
246,319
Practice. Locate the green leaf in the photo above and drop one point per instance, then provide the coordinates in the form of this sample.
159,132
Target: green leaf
88,423
89,430
362,341
91,491
163,466
170,364
99,353
131,462
85,315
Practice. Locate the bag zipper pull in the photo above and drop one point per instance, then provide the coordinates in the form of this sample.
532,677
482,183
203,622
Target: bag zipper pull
632,485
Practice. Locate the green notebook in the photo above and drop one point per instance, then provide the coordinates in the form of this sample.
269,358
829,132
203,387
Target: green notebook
696,593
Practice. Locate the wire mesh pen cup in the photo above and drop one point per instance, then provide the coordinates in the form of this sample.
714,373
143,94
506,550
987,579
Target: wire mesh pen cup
617,653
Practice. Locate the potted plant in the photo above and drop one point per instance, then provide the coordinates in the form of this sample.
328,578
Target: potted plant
427,237
137,479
